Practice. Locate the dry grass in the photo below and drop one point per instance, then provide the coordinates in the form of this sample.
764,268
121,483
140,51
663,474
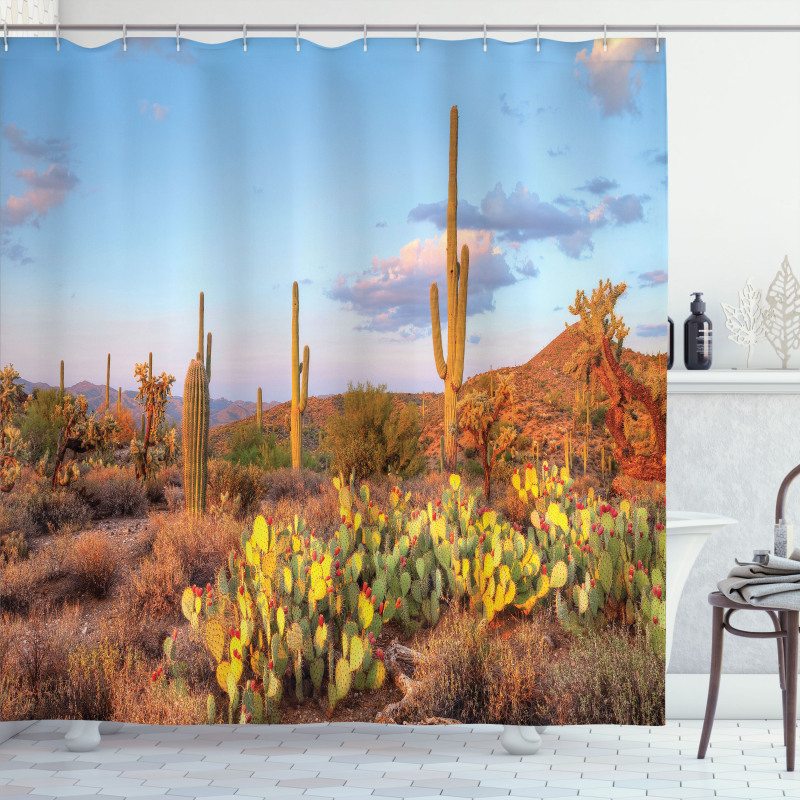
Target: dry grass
235,487
34,654
186,550
511,675
480,676
25,580
610,678
307,493
50,672
113,492
93,561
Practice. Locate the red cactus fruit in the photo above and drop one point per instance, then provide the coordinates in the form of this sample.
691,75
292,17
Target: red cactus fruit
321,620
398,603
379,653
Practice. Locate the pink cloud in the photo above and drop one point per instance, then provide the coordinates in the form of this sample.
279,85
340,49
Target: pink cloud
392,295
154,111
614,77
47,190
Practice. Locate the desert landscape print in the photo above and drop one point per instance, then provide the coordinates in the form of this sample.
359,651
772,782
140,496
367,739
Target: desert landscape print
340,401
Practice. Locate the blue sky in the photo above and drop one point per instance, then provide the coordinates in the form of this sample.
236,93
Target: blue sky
137,179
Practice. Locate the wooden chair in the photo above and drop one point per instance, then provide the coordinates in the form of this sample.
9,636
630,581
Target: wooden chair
785,624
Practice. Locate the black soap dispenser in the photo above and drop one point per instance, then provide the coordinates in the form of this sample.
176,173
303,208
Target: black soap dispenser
697,336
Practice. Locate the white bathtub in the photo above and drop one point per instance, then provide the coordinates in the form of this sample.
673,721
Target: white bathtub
687,532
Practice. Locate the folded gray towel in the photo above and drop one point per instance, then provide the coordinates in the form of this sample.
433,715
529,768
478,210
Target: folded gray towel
775,584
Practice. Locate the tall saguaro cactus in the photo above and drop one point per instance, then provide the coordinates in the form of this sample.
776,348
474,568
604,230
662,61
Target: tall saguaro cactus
196,413
299,398
259,411
61,379
108,383
452,370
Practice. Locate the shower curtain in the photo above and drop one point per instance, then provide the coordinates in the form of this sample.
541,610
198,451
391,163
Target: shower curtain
333,381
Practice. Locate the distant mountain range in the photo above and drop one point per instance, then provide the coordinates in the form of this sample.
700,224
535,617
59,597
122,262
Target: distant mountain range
223,411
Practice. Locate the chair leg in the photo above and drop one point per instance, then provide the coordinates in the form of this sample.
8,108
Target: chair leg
717,632
782,625
790,717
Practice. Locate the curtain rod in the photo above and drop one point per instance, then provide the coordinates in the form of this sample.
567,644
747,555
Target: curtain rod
294,29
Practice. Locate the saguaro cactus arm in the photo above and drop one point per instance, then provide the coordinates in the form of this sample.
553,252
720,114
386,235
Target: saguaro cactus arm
438,355
304,366
461,321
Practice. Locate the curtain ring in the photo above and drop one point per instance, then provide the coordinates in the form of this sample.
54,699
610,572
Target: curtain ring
58,36
365,37
418,37
244,37
538,44
605,38
124,37
178,37
297,35
484,37
5,36
658,40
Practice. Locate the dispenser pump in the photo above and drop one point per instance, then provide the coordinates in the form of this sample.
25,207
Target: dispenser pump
697,305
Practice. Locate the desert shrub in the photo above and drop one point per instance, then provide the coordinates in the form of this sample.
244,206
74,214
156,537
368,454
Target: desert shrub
113,492
15,513
13,545
623,685
307,493
523,443
186,550
26,581
235,486
34,654
598,416
93,562
472,468
250,447
39,428
555,399
372,435
174,497
57,510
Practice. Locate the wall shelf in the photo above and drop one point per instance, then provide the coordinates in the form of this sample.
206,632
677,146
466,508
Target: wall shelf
734,381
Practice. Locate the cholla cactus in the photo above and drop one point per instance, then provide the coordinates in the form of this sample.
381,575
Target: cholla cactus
479,416
154,394
11,445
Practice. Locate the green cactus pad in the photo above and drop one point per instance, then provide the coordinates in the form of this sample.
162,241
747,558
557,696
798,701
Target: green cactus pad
342,678
405,583
606,571
317,670
211,710
215,640
558,576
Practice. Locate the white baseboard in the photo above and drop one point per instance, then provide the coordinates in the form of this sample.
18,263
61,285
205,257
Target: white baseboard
9,729
752,696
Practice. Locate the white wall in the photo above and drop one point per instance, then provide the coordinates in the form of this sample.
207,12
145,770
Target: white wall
734,117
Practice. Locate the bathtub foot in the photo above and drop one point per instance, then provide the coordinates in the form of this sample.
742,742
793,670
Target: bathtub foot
112,727
539,728
82,736
520,740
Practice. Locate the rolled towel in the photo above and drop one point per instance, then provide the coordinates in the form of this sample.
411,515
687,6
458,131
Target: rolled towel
775,584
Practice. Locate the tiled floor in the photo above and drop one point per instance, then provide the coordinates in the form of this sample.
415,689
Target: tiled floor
745,760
